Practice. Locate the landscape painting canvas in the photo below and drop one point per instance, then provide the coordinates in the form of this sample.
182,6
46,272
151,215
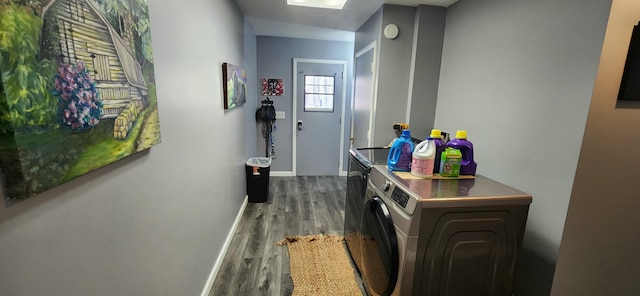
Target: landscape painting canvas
77,90
234,85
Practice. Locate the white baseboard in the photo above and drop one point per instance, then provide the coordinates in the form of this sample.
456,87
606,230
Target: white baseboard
225,247
281,174
342,174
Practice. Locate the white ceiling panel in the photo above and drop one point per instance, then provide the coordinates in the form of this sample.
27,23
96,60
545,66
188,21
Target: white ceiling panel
354,14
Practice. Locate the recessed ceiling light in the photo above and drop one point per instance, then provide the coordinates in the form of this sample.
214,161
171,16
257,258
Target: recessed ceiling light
331,4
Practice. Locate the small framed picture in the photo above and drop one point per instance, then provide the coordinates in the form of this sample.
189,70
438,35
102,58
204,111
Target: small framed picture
272,87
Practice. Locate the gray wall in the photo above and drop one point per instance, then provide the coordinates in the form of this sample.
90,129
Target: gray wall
599,250
250,64
416,51
275,60
370,31
429,36
154,223
518,76
393,70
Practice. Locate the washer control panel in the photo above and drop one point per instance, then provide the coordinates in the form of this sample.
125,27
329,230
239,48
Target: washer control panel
391,190
400,196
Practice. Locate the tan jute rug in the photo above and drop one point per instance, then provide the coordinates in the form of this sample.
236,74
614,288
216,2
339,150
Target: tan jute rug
320,266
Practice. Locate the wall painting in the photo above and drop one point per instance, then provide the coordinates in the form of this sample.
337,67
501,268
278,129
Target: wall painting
77,90
234,85
272,87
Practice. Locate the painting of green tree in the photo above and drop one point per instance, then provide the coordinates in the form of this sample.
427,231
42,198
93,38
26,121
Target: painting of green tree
77,89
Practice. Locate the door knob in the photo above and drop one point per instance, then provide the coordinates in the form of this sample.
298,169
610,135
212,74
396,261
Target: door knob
299,125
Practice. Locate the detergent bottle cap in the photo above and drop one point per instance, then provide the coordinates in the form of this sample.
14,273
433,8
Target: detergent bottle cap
406,133
435,134
461,134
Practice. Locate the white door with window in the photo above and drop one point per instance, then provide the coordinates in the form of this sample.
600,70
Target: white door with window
318,118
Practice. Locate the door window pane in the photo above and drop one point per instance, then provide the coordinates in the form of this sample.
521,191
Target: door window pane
318,93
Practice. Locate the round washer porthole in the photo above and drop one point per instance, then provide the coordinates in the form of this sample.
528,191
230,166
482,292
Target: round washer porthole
379,248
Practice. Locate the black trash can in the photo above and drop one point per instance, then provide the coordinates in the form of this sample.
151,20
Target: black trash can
257,173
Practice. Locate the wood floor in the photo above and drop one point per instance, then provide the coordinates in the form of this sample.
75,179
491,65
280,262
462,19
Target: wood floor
302,205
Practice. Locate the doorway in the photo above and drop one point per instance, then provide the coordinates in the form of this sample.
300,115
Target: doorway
318,130
364,86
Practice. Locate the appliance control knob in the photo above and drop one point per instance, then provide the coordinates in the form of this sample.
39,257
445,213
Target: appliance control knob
386,186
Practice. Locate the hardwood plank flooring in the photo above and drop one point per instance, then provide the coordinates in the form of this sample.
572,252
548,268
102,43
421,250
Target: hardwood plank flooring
301,205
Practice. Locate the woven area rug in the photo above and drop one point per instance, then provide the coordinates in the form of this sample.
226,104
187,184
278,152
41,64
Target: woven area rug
320,266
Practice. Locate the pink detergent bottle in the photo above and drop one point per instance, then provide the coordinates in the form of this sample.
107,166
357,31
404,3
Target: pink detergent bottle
423,159
467,165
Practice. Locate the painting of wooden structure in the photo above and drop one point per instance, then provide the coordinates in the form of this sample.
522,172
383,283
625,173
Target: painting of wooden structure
101,81
85,35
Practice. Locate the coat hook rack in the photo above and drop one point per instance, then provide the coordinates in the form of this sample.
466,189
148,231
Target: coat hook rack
267,102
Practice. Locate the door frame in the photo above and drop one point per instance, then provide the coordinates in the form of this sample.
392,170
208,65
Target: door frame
374,76
294,117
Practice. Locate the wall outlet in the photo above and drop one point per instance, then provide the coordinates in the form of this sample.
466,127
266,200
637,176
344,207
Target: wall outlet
279,114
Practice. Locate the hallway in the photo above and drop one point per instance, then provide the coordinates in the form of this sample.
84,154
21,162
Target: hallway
302,205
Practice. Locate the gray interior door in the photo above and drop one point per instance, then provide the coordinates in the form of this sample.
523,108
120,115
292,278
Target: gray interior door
363,95
319,108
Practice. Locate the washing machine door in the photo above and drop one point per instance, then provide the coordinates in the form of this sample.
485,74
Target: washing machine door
379,248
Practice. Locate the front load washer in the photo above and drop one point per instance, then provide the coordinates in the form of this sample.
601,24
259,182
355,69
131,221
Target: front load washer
454,237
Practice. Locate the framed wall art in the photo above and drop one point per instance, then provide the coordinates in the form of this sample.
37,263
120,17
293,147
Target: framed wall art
234,86
272,87
77,90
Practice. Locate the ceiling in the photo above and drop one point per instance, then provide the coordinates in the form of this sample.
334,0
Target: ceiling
354,14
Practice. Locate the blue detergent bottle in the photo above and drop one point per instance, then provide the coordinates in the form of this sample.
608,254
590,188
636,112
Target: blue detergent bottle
401,152
467,165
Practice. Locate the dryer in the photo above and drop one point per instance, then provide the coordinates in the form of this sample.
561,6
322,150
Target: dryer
440,237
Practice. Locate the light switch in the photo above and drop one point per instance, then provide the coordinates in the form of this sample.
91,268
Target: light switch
279,114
